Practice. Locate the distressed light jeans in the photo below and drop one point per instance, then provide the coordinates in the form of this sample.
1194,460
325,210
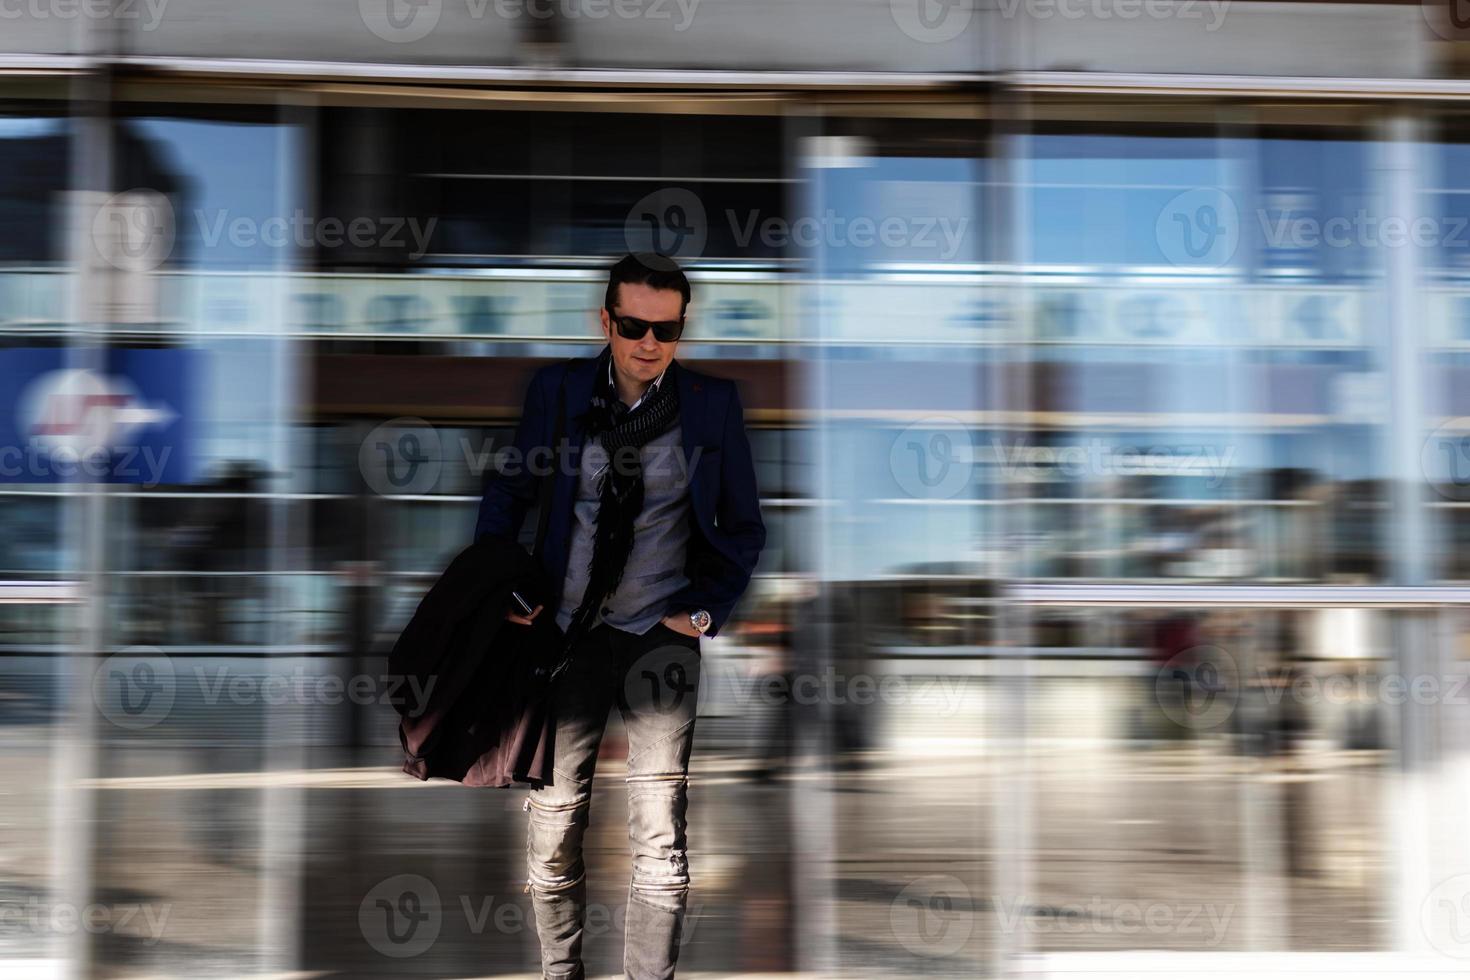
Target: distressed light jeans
654,681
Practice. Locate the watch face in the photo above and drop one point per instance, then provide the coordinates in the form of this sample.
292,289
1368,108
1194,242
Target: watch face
700,620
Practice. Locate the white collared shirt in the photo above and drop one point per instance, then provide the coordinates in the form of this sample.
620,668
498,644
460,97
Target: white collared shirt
652,385
613,383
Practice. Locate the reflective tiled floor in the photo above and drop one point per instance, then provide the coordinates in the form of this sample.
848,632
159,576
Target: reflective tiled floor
196,874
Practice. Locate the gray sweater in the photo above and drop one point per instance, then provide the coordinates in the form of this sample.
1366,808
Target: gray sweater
655,568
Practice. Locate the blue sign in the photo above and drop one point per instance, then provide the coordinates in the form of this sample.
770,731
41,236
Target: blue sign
129,423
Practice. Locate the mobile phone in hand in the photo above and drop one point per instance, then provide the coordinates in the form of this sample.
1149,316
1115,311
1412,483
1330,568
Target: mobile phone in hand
520,600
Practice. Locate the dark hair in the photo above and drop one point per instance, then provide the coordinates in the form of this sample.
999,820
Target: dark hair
650,269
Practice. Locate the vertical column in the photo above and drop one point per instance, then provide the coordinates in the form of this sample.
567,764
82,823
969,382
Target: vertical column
85,514
1400,168
1261,803
283,804
814,819
1008,699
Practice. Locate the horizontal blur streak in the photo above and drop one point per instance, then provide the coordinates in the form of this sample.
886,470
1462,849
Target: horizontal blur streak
1028,392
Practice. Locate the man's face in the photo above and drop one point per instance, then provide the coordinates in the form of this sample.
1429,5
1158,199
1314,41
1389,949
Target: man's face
644,359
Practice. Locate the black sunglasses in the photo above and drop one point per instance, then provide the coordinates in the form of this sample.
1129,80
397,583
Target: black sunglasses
632,328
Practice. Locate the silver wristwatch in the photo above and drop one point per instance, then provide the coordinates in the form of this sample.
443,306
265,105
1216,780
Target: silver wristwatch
700,620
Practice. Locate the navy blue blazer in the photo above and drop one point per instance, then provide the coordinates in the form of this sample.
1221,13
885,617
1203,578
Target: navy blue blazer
727,533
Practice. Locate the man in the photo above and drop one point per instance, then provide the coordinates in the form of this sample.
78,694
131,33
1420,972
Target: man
654,531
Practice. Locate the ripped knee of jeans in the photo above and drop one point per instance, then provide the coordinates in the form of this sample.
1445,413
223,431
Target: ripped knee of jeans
656,831
662,882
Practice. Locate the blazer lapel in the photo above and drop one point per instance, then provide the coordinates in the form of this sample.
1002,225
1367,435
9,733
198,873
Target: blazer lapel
563,487
579,399
564,481
692,397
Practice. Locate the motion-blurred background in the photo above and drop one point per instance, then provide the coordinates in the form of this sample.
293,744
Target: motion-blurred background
1106,363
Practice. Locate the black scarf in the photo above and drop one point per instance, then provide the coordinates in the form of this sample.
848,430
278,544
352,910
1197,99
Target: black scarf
623,433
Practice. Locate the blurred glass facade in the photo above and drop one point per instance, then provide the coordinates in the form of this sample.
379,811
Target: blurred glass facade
1113,451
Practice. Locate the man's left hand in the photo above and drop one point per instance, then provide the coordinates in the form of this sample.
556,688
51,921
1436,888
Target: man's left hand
679,623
